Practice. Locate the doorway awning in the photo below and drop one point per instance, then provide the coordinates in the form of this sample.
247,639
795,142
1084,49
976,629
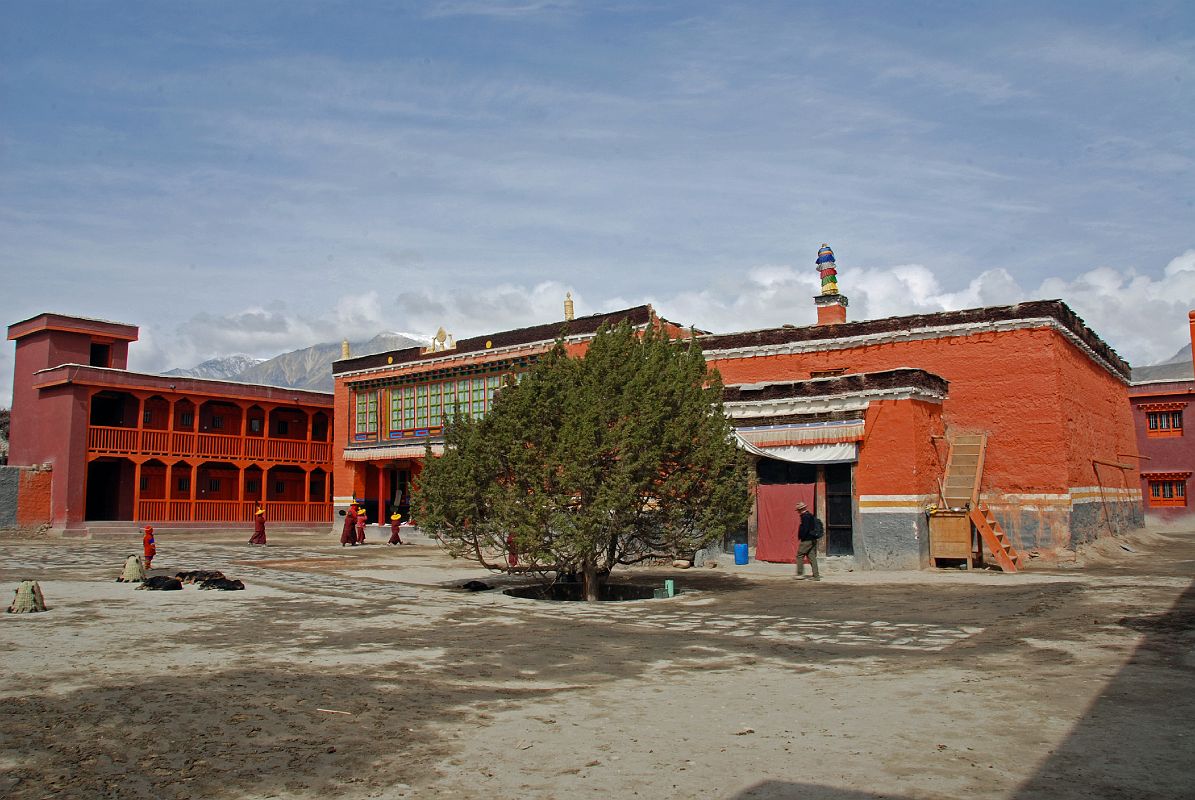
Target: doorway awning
836,453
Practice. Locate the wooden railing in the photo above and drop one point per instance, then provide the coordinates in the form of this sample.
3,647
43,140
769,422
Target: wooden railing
130,441
230,511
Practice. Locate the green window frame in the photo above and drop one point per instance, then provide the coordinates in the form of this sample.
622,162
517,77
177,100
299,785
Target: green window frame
434,414
367,412
396,409
408,408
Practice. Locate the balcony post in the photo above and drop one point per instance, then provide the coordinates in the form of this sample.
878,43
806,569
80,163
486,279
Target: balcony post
137,490
169,483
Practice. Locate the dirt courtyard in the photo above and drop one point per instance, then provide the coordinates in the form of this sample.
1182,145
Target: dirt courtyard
363,672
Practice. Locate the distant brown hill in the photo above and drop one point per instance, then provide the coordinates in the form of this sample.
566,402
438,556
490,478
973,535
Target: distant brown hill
308,368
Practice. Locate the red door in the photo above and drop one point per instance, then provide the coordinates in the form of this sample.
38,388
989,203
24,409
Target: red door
776,504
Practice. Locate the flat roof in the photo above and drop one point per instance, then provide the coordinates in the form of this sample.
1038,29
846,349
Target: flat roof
49,321
548,332
1056,310
123,380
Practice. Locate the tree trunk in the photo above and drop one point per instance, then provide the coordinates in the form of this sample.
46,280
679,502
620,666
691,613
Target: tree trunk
590,583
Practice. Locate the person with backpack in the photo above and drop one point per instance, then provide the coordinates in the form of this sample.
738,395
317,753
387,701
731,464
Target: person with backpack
809,531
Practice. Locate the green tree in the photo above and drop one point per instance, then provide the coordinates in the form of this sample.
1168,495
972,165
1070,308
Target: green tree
618,457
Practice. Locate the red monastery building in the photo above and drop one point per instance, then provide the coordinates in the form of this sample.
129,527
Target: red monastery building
1011,423
933,438
138,448
1160,396
391,406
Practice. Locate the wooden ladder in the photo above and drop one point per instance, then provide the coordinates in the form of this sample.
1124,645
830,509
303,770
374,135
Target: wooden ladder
997,541
960,489
964,467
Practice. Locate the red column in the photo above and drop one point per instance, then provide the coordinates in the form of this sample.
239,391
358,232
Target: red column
381,494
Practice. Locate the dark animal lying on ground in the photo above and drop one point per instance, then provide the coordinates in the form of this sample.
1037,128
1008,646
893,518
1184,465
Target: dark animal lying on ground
222,583
198,575
161,583
476,586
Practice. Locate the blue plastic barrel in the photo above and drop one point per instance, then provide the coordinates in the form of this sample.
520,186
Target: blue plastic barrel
740,554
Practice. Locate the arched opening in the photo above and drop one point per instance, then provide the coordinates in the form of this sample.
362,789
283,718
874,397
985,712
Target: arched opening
317,486
255,422
153,480
254,484
184,415
286,485
220,417
109,490
288,423
155,414
319,427
216,481
113,410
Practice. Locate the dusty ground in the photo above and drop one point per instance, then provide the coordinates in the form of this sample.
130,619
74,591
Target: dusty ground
1054,683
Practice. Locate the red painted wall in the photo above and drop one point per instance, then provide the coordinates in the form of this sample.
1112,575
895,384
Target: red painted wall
1013,385
905,427
1169,453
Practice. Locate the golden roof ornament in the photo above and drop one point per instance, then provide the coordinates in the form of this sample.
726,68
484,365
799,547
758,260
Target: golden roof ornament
568,306
344,349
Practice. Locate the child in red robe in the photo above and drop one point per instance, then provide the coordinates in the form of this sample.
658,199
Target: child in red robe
362,518
150,547
259,527
395,521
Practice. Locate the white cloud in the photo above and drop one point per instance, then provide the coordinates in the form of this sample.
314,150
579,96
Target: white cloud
1141,316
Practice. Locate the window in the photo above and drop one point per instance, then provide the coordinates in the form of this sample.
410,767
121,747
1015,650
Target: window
396,409
284,426
255,425
421,406
147,417
186,419
252,486
1168,493
184,484
217,422
367,412
434,416
279,487
1165,423
408,407
477,398
213,484
144,483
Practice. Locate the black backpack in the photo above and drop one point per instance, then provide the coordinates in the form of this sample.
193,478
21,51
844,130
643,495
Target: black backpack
819,530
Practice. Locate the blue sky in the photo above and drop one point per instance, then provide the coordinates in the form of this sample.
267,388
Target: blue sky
255,177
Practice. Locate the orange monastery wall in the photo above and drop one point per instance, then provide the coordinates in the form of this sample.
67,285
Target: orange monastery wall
1004,384
905,427
1048,410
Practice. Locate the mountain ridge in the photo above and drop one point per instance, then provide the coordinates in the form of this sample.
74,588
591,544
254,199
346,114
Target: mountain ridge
306,368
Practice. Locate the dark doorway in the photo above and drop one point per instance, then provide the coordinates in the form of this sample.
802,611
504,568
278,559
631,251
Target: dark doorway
109,490
840,514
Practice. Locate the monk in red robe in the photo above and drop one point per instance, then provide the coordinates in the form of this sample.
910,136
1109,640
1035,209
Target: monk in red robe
149,546
395,521
362,518
259,527
349,534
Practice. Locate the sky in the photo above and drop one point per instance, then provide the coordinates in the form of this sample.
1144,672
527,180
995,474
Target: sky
255,177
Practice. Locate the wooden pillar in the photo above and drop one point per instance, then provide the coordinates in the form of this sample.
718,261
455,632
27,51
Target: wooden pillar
194,477
819,504
381,494
169,483
136,489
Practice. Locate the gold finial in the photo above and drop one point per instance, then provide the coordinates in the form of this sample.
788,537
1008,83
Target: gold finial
344,349
568,306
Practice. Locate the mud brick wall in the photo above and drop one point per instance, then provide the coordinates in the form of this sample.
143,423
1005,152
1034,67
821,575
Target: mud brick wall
24,496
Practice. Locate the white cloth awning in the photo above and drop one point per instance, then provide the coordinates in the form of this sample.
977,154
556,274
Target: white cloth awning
398,451
837,453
